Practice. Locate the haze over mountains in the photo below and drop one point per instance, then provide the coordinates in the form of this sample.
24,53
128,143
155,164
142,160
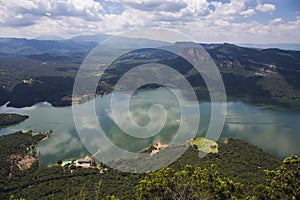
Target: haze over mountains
58,45
284,46
23,47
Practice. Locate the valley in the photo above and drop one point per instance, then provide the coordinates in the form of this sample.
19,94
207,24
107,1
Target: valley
262,87
253,75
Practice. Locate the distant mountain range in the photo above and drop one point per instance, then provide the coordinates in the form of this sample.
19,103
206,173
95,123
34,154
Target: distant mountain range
283,46
25,47
59,45
49,37
34,70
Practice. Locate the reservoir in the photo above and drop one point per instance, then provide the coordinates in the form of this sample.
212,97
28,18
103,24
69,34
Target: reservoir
272,128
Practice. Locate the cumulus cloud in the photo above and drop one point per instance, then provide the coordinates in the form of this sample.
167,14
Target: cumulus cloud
292,26
156,5
232,9
216,3
276,20
247,13
267,8
164,11
222,23
215,21
198,7
28,12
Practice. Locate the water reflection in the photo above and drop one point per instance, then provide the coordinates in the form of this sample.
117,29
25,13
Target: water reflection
274,129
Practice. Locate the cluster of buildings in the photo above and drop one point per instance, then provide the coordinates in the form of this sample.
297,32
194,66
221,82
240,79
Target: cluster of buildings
86,162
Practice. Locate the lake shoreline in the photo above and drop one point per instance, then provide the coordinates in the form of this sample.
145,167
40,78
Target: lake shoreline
8,119
271,127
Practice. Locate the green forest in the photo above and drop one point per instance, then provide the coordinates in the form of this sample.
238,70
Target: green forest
238,170
7,119
150,100
254,75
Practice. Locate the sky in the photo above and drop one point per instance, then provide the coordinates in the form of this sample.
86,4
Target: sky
210,21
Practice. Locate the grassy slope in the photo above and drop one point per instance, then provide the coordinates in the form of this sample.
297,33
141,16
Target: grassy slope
205,145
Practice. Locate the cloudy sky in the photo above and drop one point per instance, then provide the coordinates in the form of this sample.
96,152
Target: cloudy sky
237,21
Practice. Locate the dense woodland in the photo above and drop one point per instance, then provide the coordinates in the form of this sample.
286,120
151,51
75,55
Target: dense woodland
19,143
34,71
256,75
238,171
7,119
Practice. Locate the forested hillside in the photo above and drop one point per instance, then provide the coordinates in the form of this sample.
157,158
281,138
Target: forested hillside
7,119
257,75
236,171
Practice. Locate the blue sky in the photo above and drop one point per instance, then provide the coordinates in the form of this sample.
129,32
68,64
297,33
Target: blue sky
235,21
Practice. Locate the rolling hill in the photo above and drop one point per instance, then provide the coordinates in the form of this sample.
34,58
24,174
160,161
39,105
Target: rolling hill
259,75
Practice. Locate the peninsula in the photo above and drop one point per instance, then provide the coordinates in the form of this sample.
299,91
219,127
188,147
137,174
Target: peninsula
7,119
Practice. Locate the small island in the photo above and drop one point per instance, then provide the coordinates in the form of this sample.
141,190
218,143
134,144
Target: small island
7,119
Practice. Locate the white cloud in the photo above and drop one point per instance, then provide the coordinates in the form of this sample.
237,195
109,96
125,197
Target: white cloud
231,8
198,7
26,12
276,20
207,22
216,3
247,13
293,27
164,11
244,32
222,23
154,5
267,8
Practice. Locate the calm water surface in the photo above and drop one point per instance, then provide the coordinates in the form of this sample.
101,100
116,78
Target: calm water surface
272,128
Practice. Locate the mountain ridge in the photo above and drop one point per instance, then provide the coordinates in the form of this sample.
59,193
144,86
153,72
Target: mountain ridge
246,72
40,45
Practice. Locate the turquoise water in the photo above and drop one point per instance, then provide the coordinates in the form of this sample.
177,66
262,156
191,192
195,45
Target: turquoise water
273,128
